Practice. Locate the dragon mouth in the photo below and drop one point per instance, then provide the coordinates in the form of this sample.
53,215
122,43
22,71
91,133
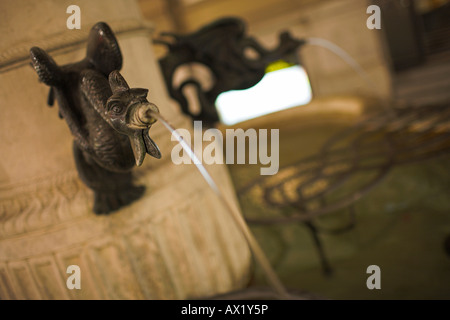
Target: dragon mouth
141,115
140,118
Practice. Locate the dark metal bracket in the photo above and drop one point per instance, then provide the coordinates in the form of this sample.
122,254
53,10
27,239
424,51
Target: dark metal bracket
221,46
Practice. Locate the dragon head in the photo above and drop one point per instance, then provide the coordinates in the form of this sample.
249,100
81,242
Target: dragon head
129,112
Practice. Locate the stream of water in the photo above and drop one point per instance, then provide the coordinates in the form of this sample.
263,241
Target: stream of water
257,251
344,55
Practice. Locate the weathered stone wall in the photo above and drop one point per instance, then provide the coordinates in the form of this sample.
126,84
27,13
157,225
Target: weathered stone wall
176,242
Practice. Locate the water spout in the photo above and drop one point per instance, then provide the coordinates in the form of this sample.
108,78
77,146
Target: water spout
344,55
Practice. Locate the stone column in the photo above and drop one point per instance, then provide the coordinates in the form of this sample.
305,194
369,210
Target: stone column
176,242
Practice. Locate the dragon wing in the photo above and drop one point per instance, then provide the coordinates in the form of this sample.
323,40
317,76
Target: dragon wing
103,51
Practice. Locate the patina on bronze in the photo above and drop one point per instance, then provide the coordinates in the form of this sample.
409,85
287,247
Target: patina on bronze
109,121
221,46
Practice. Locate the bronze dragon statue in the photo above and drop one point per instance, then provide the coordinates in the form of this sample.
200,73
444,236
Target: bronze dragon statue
109,121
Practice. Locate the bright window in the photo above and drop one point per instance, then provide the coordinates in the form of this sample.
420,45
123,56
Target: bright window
278,90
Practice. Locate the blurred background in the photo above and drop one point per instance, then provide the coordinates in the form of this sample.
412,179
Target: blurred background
406,59
397,219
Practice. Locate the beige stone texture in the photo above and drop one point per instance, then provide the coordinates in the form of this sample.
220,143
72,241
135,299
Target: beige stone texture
176,242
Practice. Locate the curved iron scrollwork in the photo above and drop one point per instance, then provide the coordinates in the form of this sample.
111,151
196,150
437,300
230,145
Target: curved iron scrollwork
108,120
347,167
221,46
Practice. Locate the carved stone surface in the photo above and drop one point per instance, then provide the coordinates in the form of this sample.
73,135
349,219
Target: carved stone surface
154,249
221,47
